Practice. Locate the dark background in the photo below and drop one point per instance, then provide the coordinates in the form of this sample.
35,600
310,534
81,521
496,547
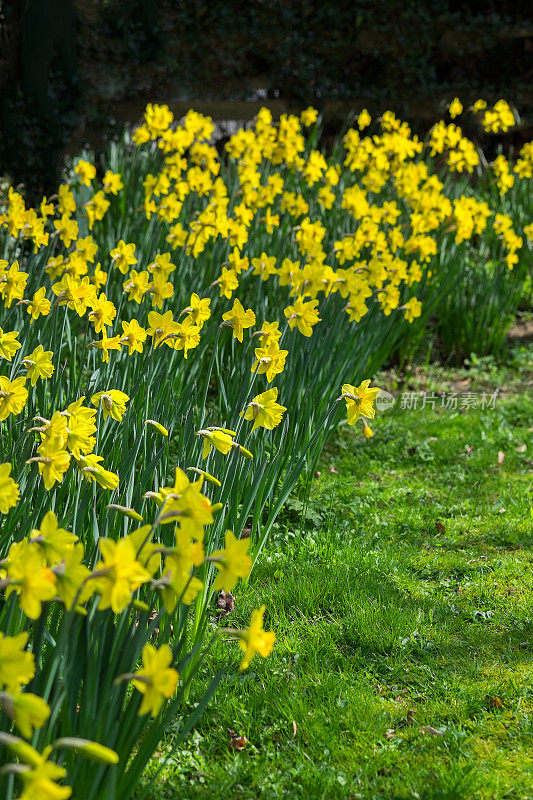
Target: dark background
74,71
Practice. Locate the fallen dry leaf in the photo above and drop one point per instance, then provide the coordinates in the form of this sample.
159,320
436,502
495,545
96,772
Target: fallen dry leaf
469,449
501,456
225,603
493,702
501,511
440,527
237,742
432,731
390,734
294,729
522,448
333,469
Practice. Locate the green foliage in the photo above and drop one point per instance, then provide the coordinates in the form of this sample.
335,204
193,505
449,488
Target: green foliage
401,592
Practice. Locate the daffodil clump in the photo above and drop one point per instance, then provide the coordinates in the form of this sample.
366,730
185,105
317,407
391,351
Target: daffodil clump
176,326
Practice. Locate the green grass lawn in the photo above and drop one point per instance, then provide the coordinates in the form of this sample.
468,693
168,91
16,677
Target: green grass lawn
401,596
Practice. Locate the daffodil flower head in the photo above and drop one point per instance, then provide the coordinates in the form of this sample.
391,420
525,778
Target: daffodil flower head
9,490
156,680
269,332
53,541
13,396
178,583
112,182
17,665
255,639
218,438
270,360
264,410
359,401
53,460
28,711
39,364
123,256
133,336
239,319
198,309
413,309
72,578
29,577
233,562
9,344
85,171
38,774
118,574
113,403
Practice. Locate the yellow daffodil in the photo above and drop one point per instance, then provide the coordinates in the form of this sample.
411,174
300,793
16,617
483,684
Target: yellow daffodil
133,336
233,562
227,282
455,108
359,401
85,171
53,460
13,396
39,305
91,469
264,410
9,344
220,439
255,639
39,364
303,315
112,182
72,575
113,403
118,574
198,309
156,680
28,577
269,333
239,319
41,776
28,711
102,313
54,542
264,265
17,665
123,256
12,284
9,490
413,309
270,360
309,116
